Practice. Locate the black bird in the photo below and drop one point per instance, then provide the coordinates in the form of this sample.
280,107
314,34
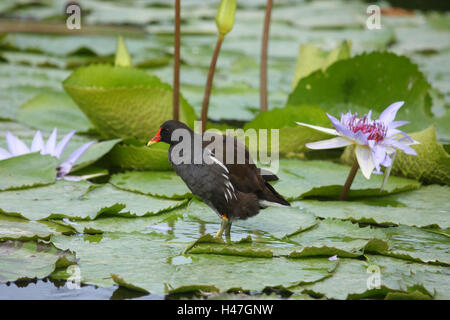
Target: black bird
236,190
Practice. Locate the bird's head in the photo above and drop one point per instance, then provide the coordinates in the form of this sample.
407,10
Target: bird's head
164,133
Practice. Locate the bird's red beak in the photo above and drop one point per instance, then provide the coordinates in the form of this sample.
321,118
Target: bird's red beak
155,139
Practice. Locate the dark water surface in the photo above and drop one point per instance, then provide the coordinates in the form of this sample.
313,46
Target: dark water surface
47,290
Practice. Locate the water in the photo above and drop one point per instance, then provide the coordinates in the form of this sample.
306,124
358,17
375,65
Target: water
47,290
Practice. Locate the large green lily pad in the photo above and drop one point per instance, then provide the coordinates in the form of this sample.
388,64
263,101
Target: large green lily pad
323,179
13,228
140,157
79,200
424,207
270,221
53,110
334,237
27,170
128,256
155,183
123,102
417,244
352,277
29,260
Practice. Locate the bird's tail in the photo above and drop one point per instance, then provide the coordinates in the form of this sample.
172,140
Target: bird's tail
270,196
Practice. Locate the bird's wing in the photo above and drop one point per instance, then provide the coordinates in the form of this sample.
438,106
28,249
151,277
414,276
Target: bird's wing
238,166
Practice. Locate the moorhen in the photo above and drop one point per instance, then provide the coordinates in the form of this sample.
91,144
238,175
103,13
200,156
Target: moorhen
236,190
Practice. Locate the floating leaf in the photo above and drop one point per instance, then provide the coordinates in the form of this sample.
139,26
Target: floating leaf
123,102
333,237
130,255
352,277
418,245
29,260
323,179
421,208
270,221
140,157
27,170
12,228
53,110
67,199
155,183
311,58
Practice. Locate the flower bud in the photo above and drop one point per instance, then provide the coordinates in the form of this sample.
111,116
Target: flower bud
225,16
123,58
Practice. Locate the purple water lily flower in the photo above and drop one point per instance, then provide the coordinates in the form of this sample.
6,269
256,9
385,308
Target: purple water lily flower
376,141
17,147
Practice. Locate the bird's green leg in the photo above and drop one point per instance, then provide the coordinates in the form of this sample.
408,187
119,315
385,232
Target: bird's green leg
223,226
228,229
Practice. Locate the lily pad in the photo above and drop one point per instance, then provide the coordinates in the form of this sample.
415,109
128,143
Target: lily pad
128,256
79,200
11,98
27,170
342,238
311,58
270,221
356,279
418,245
140,157
323,179
53,110
432,163
12,228
391,210
155,183
123,102
29,260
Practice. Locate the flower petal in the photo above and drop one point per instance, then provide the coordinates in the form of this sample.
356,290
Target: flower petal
340,127
364,157
387,161
4,154
332,143
361,138
326,130
378,155
38,142
51,143
396,124
15,145
66,166
388,115
63,143
404,147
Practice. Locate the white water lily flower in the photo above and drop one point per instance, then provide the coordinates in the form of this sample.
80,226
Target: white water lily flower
376,141
17,148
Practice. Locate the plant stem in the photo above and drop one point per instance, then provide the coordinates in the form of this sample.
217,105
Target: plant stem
209,81
350,178
176,65
264,49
